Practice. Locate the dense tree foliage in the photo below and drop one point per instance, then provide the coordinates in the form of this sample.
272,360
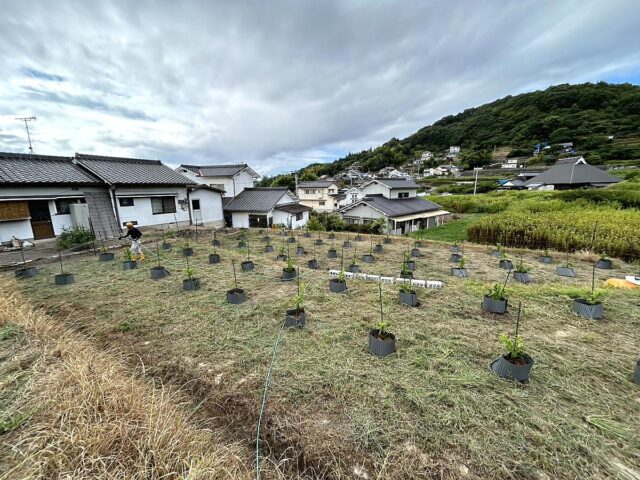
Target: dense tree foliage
584,114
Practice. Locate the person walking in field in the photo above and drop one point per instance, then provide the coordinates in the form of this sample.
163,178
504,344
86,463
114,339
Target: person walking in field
136,246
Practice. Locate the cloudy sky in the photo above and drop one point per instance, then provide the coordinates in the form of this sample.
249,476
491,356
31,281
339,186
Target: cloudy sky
281,84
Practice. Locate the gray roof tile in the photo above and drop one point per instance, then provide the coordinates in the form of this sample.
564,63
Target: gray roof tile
131,171
397,207
568,172
24,168
256,199
316,184
225,170
397,182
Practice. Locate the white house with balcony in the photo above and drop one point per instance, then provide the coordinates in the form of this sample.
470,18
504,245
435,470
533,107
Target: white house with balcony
232,178
318,194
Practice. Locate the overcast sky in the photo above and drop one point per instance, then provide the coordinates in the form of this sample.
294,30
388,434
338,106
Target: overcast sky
280,84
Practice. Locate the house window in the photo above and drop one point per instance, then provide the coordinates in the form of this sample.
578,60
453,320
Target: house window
195,204
403,195
126,202
322,202
299,216
307,192
163,205
62,204
332,190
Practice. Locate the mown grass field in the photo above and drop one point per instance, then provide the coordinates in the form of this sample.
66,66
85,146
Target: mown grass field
452,232
432,410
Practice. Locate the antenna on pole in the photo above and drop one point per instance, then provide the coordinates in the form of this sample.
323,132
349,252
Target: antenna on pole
26,125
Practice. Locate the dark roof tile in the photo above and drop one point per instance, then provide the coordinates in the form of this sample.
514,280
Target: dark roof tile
396,207
256,199
24,168
131,171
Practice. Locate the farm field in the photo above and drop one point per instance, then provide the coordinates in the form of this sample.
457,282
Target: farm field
431,410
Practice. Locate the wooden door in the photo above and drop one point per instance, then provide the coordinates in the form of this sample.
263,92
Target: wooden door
40,219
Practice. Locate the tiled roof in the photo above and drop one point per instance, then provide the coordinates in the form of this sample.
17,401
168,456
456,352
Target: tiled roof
206,187
256,199
316,184
227,170
396,207
24,168
293,208
131,171
397,182
569,173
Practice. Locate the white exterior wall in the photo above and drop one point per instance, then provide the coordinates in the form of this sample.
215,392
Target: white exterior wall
232,186
363,211
376,189
280,217
210,205
396,193
141,210
15,228
241,219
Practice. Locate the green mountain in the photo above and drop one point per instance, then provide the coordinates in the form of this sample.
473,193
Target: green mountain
585,114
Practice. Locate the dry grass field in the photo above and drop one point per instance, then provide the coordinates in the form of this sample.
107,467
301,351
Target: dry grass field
431,410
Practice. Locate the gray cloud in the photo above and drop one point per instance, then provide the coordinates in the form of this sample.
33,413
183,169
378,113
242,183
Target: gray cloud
283,83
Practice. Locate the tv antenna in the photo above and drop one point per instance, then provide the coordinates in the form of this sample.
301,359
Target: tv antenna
26,125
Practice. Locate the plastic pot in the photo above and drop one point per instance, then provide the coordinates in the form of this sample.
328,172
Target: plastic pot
408,298
307,235
406,275
190,285
381,347
300,251
236,296
455,257
548,259
214,258
346,244
106,257
359,238
496,253
26,272
455,249
387,241
636,373
295,318
266,238
158,272
242,244
604,264
319,241
522,277
336,286
247,266
459,272
187,252
353,268
417,244
291,240
565,271
367,258
268,248
288,274
64,279
504,368
283,233
377,248
592,312
415,252
129,265
411,265
313,264
332,236
506,264
332,254
282,258
166,246
494,306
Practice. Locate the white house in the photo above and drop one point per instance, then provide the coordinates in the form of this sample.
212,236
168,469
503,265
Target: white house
265,207
454,150
231,178
391,187
318,194
41,195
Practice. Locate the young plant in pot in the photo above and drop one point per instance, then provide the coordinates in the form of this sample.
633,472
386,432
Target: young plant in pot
307,233
418,242
359,238
299,248
505,262
63,278
319,240
190,282
566,270
291,238
28,272
408,296
165,245
282,254
332,235
289,272
404,270
105,255
347,242
128,262
455,248
247,265
387,239
313,263
296,317
236,295
495,301
604,262
268,248
339,284
378,246
158,271
215,242
521,273
455,257
411,264
332,252
590,306
498,251
215,256
381,341
415,251
187,251
460,271
354,267
545,257
368,257
515,364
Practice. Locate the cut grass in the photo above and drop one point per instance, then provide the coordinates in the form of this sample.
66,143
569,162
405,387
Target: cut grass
433,409
452,232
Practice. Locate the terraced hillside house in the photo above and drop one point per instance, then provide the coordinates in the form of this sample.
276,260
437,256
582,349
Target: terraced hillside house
233,178
571,173
320,195
266,207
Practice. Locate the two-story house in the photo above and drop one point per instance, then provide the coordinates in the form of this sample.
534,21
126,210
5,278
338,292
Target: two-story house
318,194
396,201
233,178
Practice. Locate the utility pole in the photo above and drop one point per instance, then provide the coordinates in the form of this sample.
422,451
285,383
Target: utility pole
26,125
475,184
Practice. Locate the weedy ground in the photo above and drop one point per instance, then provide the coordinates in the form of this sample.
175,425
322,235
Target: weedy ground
432,410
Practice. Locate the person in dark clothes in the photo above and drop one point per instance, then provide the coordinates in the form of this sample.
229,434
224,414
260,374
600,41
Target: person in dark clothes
136,246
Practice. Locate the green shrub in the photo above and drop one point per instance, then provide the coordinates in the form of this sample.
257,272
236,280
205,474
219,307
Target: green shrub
75,236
